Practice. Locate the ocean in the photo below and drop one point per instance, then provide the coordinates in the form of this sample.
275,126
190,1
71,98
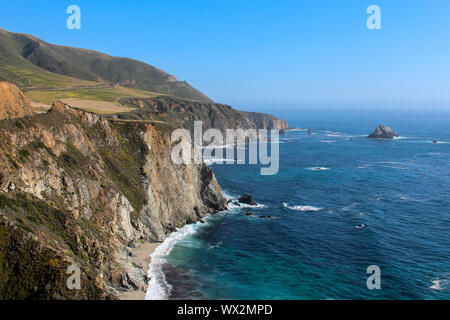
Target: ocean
373,202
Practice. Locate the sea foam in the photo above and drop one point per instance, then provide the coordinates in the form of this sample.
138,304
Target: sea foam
301,208
328,141
436,285
158,287
318,168
234,198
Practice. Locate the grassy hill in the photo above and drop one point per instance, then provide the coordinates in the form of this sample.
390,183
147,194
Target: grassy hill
108,94
32,63
103,84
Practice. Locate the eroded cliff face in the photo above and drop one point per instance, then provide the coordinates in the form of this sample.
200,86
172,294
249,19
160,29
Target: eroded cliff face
13,103
77,189
213,115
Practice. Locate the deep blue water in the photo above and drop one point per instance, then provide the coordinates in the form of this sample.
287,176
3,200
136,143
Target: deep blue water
384,203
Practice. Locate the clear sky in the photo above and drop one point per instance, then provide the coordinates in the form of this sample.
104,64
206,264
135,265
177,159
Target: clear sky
254,53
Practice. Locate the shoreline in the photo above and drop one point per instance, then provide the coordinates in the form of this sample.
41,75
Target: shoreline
143,255
145,250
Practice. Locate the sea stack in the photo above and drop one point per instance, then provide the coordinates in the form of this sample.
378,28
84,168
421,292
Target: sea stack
247,199
383,132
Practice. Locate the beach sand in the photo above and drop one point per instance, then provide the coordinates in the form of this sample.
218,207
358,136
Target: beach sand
143,252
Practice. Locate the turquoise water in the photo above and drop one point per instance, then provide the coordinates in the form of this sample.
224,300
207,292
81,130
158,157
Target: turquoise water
384,203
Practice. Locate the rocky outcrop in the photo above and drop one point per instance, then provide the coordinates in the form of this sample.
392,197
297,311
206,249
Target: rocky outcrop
77,189
213,115
247,199
13,103
266,121
383,132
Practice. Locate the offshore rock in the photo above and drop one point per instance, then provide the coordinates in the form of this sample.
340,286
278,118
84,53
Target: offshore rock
383,132
247,199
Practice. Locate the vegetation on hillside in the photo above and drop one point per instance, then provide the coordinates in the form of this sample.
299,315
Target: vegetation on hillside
108,94
32,63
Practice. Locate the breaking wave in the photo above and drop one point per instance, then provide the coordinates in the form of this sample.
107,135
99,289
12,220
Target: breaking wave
302,208
158,287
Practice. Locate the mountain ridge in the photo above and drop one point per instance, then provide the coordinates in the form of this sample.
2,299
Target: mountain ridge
50,72
29,53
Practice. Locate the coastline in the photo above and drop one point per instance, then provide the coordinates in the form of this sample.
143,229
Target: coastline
144,252
143,255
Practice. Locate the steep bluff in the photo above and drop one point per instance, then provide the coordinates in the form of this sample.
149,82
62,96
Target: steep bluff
77,189
13,103
213,115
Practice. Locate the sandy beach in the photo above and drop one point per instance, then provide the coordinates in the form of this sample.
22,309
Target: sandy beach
143,252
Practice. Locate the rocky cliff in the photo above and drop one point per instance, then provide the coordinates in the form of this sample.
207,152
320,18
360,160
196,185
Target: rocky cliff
184,113
77,189
13,103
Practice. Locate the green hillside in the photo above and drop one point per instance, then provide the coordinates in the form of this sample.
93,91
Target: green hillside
32,63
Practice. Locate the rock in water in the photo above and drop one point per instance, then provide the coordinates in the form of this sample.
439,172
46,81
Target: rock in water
247,199
383,132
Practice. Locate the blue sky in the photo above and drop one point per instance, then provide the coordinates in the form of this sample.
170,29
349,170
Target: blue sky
265,53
